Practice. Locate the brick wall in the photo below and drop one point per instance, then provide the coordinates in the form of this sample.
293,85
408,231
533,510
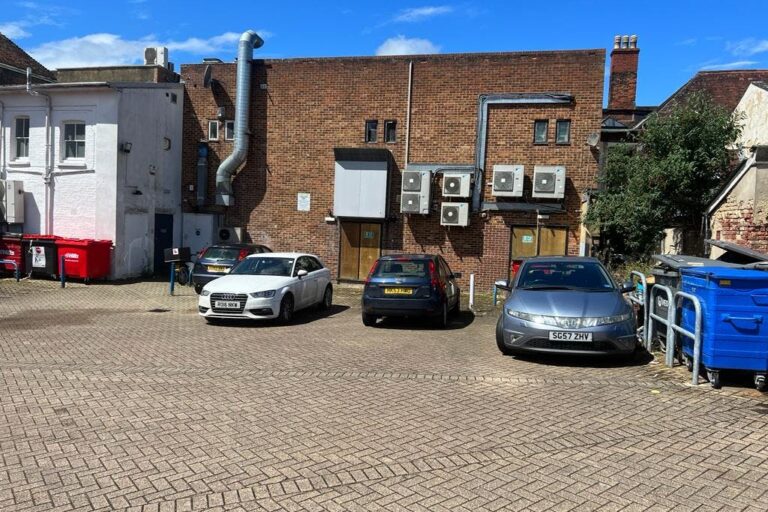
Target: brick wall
311,106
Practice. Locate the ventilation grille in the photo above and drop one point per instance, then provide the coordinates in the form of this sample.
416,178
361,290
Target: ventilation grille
452,185
411,203
504,181
411,181
544,182
451,214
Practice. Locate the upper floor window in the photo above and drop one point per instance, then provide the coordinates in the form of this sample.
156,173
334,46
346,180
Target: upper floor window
563,131
390,131
74,139
22,137
213,130
371,129
229,130
540,129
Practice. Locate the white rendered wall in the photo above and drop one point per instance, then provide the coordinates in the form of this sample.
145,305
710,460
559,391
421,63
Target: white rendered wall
754,107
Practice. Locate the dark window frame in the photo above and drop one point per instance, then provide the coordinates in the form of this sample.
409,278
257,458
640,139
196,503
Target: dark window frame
226,125
390,123
566,122
21,140
213,122
374,124
536,122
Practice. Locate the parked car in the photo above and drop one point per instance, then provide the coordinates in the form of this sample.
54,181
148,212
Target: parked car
216,261
268,285
411,285
567,305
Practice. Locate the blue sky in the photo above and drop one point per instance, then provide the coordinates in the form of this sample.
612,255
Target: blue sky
677,38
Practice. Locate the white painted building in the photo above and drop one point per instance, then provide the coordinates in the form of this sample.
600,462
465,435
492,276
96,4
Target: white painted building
110,169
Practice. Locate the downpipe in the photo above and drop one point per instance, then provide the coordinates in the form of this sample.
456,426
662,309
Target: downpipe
47,178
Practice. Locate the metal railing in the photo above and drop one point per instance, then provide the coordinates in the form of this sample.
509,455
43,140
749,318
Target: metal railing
15,267
653,317
695,335
642,300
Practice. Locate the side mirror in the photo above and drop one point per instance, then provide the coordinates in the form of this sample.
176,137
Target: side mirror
627,287
503,284
301,273
456,275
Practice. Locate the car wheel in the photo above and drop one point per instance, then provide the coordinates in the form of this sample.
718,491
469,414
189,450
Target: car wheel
500,338
327,301
198,288
286,309
369,320
442,320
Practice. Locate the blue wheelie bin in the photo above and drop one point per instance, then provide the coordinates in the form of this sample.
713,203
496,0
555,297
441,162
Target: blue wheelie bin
734,305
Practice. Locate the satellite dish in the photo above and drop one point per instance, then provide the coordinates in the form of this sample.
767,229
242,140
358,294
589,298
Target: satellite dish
593,139
207,77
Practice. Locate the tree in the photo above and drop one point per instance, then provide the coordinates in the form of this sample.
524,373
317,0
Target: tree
666,177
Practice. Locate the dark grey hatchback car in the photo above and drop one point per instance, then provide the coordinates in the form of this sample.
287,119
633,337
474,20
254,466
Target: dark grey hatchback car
566,305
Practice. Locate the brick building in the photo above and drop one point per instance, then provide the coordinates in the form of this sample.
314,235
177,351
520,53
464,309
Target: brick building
309,117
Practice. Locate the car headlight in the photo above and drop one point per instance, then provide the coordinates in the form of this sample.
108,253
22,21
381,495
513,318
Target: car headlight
570,322
205,293
263,295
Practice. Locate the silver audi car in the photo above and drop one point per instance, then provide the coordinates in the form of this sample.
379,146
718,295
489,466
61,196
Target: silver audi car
566,305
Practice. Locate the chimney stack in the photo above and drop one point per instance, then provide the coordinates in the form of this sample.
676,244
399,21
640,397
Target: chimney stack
622,90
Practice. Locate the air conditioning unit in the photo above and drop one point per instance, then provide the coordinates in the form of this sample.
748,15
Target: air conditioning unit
454,214
229,235
457,184
508,180
156,56
415,192
12,202
549,181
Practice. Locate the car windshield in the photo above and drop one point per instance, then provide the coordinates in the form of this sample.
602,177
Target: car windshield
264,267
221,253
561,275
402,268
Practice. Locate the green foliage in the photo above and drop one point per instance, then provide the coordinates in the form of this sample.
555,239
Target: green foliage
666,177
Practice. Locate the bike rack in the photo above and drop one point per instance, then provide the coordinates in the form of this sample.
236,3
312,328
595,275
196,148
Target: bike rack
696,334
655,291
642,301
15,267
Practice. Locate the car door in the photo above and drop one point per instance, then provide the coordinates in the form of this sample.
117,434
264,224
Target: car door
451,290
303,286
320,278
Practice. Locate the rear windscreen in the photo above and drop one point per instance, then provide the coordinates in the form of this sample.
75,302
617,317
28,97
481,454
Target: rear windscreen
406,268
221,253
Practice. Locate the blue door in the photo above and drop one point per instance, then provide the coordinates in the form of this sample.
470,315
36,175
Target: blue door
163,240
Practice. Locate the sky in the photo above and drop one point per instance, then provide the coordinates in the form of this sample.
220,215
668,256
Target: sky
676,38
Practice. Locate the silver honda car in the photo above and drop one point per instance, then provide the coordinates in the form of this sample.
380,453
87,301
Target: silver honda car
566,305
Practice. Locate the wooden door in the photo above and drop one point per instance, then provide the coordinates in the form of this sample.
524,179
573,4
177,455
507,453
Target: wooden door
553,241
360,248
370,248
523,242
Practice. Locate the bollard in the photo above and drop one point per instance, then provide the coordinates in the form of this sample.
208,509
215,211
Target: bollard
472,292
62,273
173,277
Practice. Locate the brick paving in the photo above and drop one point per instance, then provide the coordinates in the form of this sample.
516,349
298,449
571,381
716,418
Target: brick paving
118,397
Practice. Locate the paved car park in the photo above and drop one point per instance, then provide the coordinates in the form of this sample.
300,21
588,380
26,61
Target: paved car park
118,397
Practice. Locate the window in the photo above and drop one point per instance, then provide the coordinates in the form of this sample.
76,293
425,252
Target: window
213,130
390,131
563,131
229,130
22,137
74,140
371,127
540,129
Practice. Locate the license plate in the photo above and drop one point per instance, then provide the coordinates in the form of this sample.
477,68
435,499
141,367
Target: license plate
216,269
398,291
570,336
227,304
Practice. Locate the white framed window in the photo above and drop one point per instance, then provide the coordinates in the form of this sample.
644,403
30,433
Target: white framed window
213,130
74,140
229,130
21,135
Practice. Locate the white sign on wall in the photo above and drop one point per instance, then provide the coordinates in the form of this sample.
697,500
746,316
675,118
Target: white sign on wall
303,200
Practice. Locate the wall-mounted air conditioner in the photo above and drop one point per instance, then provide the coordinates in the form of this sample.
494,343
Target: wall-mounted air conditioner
454,214
508,180
229,235
549,181
415,192
156,56
12,202
457,184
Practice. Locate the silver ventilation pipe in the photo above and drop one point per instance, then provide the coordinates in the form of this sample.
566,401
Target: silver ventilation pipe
248,41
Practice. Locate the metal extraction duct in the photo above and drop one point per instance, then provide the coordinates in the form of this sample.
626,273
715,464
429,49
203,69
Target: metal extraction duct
248,41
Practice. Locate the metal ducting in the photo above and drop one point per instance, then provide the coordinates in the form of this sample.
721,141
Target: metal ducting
248,41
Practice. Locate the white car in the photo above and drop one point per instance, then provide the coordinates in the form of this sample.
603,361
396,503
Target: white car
268,285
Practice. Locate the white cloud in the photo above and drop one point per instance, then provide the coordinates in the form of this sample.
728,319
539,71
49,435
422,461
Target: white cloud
748,47
729,65
110,49
401,45
421,13
14,29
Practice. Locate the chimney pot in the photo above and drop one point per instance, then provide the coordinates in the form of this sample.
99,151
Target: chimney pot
633,41
625,41
616,42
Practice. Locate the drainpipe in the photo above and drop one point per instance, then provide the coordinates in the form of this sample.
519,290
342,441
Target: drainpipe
2,146
248,41
47,180
408,114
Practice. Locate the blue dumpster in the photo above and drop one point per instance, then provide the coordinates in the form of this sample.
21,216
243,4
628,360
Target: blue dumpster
734,305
